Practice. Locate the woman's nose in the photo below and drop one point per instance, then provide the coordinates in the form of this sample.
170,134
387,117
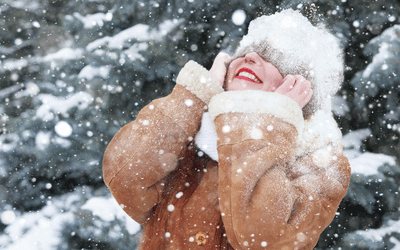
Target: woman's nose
252,58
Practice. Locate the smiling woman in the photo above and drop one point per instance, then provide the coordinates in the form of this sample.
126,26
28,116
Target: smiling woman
252,72
251,68
273,179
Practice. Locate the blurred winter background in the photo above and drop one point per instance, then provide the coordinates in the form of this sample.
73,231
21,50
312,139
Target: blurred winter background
73,72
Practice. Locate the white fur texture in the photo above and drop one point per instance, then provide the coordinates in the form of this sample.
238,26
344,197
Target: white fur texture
199,81
257,102
316,133
319,130
206,138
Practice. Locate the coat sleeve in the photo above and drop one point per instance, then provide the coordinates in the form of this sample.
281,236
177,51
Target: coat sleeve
146,150
269,198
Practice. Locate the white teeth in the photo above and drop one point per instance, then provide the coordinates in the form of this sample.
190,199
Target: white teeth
248,75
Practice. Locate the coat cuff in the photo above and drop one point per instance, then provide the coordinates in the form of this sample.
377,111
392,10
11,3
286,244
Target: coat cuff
198,81
258,102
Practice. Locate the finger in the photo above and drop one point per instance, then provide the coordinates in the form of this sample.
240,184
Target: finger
303,94
225,58
299,78
221,59
301,91
287,85
301,85
218,69
303,102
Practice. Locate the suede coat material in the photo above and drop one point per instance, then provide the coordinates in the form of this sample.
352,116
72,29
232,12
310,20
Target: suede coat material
276,185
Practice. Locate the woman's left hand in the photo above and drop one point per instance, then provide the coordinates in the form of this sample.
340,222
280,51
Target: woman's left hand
297,88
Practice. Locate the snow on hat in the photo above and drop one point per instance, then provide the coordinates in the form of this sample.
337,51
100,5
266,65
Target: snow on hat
290,42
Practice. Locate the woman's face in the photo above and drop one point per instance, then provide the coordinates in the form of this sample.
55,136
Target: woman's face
252,72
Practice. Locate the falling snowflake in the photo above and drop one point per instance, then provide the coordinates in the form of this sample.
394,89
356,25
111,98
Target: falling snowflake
63,129
238,17
171,208
188,102
226,129
8,217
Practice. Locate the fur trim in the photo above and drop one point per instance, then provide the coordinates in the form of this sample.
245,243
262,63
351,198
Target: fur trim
257,102
320,130
206,138
198,81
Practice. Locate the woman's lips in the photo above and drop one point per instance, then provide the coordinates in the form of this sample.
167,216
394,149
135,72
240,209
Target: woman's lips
248,75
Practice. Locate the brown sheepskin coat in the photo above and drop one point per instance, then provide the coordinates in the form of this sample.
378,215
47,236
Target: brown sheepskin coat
276,184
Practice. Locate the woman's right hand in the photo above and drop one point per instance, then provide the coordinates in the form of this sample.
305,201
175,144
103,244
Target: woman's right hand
218,69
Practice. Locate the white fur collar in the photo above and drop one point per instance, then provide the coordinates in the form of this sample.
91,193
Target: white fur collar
318,131
206,138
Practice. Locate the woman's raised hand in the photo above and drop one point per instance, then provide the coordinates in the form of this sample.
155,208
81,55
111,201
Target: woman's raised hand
218,69
297,88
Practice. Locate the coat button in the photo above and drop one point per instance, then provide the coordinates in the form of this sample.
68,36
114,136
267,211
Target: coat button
201,238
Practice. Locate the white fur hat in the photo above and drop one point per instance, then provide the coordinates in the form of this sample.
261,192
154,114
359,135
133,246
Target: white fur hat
290,42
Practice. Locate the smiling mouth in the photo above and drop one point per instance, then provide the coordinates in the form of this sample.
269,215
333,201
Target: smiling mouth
248,75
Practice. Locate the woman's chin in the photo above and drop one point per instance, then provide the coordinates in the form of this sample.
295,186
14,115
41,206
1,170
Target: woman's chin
239,85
